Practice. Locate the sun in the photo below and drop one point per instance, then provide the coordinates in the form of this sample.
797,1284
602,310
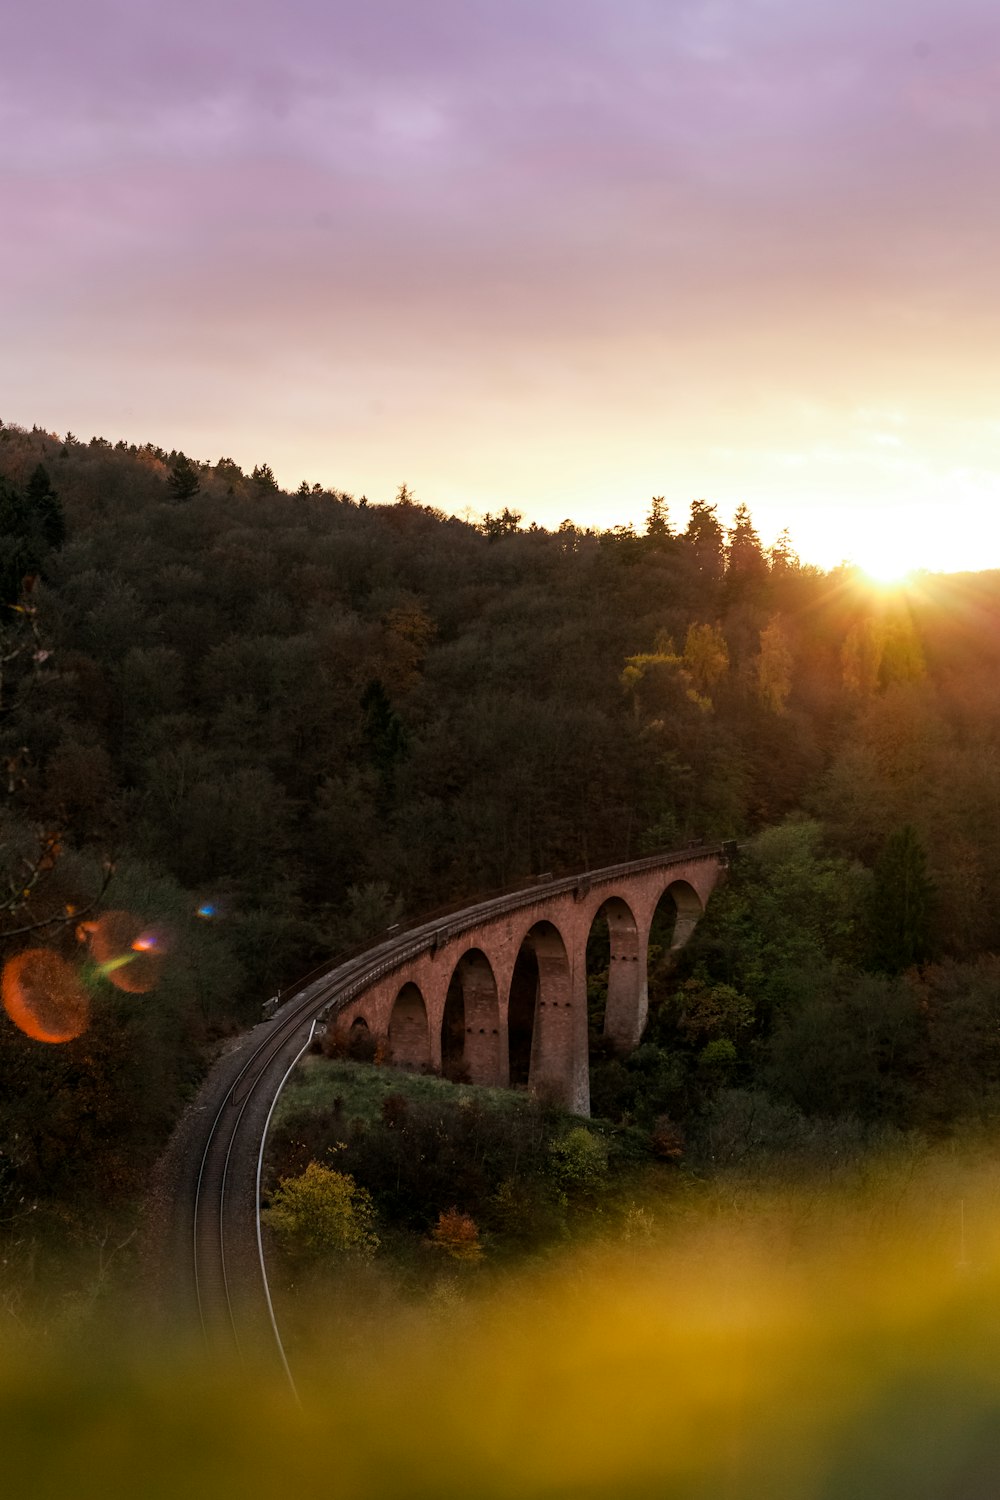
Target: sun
888,553
887,572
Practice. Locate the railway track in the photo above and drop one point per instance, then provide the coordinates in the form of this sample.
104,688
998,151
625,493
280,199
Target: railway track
229,1275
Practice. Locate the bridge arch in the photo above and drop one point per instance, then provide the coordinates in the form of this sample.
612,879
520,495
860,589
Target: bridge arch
409,1034
620,940
672,921
688,909
470,1023
543,1016
361,1045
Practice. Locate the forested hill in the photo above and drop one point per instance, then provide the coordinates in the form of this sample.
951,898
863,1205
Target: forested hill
307,713
288,700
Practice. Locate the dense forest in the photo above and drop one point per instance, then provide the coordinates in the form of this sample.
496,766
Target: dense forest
259,726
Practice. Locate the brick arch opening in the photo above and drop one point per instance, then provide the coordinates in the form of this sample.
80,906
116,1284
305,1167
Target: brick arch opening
521,1009
677,914
540,1014
688,908
361,1045
470,1026
616,977
409,1036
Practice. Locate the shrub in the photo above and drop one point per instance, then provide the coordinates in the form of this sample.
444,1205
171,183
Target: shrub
456,1234
579,1162
322,1212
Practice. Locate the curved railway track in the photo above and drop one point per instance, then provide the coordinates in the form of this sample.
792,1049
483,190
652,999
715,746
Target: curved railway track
229,1276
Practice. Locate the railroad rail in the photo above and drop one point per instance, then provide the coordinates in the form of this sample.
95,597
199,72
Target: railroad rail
230,1278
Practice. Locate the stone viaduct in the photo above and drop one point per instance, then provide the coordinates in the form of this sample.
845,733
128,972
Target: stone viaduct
497,993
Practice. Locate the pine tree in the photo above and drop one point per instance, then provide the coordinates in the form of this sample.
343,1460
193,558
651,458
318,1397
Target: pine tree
44,508
744,554
704,538
783,557
263,479
901,904
20,543
504,524
658,520
183,482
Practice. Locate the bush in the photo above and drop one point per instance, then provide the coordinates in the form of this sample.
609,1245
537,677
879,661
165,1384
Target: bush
456,1234
579,1163
321,1213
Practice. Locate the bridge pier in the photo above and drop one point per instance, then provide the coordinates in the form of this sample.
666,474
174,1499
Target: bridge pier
559,1065
484,1058
628,992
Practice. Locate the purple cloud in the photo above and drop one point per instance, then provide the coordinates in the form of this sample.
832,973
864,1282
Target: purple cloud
538,202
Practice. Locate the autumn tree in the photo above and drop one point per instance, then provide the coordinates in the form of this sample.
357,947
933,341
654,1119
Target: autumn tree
774,666
458,1236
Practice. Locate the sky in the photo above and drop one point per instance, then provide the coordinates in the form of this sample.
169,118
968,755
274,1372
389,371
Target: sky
560,255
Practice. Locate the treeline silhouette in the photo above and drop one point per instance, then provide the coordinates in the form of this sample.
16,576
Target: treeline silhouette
304,715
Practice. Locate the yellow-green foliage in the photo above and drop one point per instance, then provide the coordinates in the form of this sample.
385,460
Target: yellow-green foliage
706,656
815,1346
579,1161
882,649
704,664
710,1011
774,667
322,1212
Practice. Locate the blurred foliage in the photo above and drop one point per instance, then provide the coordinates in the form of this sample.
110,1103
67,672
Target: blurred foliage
741,1341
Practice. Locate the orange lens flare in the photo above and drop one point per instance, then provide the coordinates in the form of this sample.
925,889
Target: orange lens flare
43,996
126,953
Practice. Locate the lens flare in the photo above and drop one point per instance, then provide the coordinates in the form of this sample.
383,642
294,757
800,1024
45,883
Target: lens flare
207,910
43,996
126,952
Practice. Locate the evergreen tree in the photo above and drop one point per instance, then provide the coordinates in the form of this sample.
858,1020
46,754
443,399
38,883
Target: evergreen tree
21,542
783,557
263,479
505,524
658,520
901,904
744,555
44,508
704,539
384,732
183,482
